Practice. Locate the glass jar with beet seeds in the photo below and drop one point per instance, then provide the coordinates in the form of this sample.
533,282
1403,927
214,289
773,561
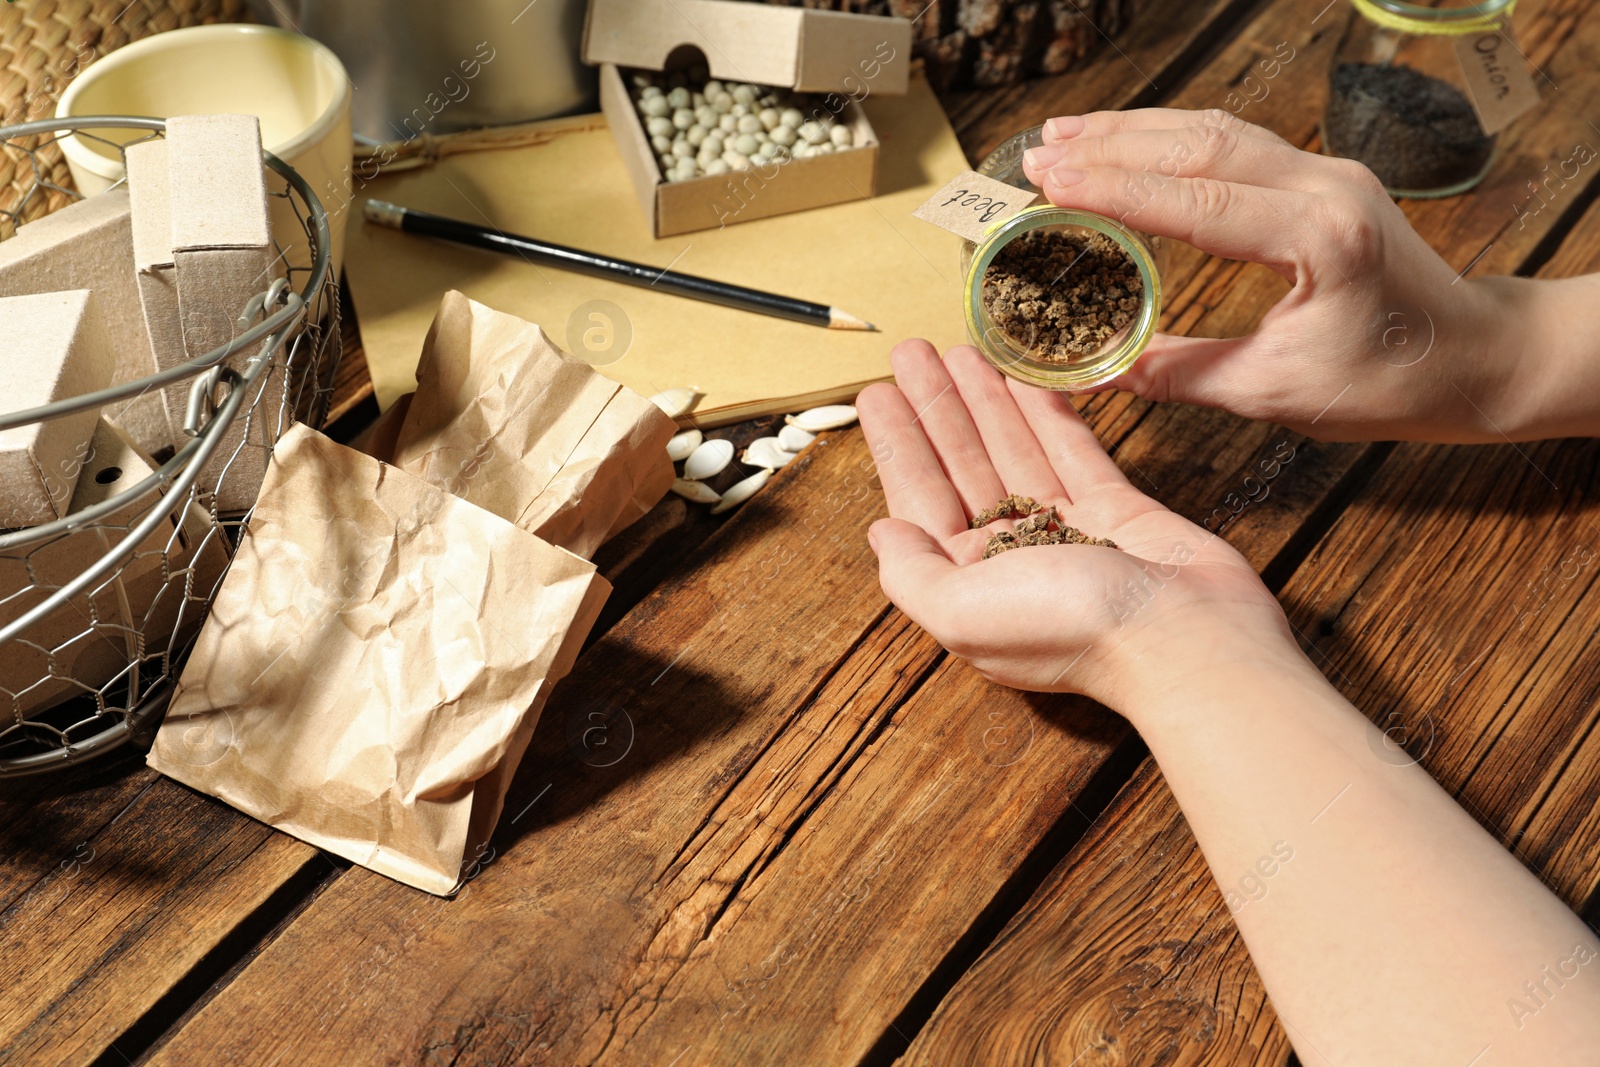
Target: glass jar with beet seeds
1056,297
1398,99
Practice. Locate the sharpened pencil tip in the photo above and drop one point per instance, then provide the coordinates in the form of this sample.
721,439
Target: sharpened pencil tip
843,320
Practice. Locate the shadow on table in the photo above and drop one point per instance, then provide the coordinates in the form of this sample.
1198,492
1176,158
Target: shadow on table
618,717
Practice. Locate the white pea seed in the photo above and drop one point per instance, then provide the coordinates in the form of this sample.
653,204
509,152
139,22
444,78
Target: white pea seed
662,144
699,492
740,110
813,133
723,102
749,124
823,149
679,97
683,118
745,145
827,417
713,87
728,124
739,492
650,87
697,99
792,438
654,105
792,118
659,126
683,149
842,137
705,115
714,142
716,166
708,460
642,81
800,151
783,135
769,100
696,136
770,118
676,402
744,94
735,161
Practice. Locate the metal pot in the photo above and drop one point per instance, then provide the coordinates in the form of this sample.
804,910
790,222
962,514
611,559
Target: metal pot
420,66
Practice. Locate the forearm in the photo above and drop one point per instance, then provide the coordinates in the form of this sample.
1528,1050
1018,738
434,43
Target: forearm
1388,926
1548,342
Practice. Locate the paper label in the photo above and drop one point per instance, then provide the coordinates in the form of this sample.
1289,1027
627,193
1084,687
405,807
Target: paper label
970,203
1497,78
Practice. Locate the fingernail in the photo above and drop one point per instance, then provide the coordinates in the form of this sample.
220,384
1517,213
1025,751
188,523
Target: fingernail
1065,127
872,539
1044,157
1061,177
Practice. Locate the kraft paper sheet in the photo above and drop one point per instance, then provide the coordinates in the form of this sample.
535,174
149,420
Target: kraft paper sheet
868,256
375,663
505,419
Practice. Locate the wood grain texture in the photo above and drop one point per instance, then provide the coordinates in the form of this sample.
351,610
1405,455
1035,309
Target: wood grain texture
126,913
1407,600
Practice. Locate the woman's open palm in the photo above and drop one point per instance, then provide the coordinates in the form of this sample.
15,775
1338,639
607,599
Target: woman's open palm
951,438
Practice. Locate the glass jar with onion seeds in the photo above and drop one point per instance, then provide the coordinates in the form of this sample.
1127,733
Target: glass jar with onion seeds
1056,297
1399,99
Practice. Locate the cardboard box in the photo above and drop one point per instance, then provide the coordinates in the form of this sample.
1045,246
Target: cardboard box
150,608
56,349
91,641
843,57
89,245
202,248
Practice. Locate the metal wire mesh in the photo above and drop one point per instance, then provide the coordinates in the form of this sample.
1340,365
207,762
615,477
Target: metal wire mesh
98,609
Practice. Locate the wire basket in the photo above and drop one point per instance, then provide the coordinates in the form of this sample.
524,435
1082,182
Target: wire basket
99,609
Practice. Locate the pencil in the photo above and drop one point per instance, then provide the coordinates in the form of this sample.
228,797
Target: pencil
427,224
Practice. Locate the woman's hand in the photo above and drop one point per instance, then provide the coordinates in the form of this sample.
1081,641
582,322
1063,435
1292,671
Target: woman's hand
953,437
1377,339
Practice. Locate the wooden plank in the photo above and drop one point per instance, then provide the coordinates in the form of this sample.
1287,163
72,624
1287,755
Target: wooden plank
1146,61
647,977
148,895
1515,739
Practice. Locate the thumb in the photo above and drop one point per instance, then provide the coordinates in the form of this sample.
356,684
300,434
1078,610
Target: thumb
1211,372
911,566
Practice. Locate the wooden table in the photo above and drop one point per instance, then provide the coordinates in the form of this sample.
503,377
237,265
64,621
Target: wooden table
812,837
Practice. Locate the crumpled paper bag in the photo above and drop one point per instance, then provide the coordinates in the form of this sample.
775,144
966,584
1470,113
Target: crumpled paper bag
374,663
505,419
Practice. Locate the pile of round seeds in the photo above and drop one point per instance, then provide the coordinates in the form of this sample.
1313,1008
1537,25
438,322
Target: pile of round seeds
700,126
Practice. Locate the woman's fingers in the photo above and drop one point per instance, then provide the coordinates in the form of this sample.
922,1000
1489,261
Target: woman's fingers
914,484
1246,222
1212,372
1189,152
1105,123
1016,453
938,408
1070,445
916,574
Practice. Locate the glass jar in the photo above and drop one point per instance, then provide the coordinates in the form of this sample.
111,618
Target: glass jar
1020,353
1399,102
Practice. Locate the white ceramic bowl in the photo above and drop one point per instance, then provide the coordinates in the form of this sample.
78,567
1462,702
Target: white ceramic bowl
294,85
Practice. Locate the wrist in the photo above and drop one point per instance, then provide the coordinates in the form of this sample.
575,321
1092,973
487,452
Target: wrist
1536,365
1162,676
